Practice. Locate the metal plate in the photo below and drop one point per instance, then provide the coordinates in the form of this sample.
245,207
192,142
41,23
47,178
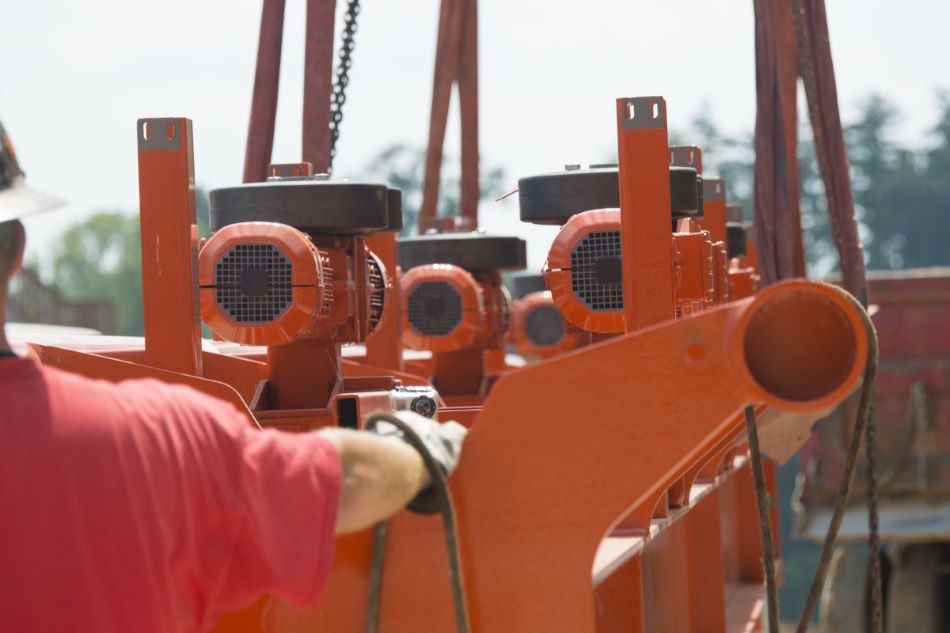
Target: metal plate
471,251
312,206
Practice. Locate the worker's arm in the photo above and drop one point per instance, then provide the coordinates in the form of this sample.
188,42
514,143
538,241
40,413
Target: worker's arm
381,475
378,477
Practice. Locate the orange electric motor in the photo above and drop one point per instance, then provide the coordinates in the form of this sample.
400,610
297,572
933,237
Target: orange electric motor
451,291
538,328
288,262
584,270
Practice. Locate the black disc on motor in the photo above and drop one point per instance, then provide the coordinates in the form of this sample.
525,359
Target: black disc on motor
471,251
686,190
735,239
527,283
394,210
554,198
313,206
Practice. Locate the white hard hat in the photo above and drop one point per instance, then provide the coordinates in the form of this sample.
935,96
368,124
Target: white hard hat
16,199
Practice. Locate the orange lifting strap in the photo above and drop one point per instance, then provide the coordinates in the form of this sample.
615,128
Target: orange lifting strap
781,27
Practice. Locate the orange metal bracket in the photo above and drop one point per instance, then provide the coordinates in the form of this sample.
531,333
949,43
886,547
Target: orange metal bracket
687,156
169,244
643,152
714,208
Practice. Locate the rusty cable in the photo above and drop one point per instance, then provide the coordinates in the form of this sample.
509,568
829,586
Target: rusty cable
447,509
763,502
863,424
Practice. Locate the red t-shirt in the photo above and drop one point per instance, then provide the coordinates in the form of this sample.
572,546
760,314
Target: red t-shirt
147,507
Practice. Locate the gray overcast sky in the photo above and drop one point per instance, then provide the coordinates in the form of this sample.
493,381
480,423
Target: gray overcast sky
78,74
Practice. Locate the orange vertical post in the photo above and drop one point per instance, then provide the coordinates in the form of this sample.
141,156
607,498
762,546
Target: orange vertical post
714,208
687,156
169,244
706,566
646,236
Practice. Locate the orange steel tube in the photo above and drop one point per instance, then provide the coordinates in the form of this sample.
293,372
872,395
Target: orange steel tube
169,244
565,448
643,152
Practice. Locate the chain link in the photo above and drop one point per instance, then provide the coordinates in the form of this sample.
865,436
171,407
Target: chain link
342,78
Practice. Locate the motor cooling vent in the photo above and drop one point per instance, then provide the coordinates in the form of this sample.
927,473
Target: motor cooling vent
253,283
377,290
596,271
435,308
544,326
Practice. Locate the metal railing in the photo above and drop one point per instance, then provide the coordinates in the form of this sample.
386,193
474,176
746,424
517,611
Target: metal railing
32,301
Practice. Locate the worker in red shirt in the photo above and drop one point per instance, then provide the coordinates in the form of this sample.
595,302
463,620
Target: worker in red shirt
142,506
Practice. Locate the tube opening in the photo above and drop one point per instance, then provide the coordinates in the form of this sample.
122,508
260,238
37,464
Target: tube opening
800,346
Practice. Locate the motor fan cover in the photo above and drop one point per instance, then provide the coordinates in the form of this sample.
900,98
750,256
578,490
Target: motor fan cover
585,274
262,283
443,307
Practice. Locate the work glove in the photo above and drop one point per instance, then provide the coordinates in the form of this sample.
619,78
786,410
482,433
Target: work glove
440,445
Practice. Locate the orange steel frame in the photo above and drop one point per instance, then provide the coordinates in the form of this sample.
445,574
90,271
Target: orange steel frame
593,495
560,452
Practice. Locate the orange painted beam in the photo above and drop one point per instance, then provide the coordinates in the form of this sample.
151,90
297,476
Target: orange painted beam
646,235
169,244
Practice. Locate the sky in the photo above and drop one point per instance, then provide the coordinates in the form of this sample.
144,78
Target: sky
78,74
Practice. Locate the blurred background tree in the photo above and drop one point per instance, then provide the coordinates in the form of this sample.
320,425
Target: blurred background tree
96,261
403,166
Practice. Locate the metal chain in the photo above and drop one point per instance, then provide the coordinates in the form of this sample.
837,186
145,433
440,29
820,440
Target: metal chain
342,78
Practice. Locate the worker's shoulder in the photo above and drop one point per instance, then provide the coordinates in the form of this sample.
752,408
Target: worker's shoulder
140,397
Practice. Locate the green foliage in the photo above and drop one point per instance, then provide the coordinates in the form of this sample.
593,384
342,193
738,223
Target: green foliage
403,166
901,193
101,259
